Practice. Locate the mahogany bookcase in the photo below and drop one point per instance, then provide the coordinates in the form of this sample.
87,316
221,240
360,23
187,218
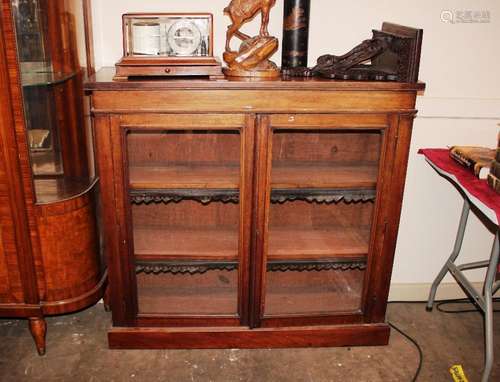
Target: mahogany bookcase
250,214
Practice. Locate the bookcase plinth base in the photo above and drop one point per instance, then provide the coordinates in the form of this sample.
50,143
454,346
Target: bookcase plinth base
245,338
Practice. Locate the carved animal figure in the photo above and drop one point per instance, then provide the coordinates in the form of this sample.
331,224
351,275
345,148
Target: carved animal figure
242,11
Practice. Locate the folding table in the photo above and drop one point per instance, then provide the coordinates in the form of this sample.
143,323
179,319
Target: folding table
477,193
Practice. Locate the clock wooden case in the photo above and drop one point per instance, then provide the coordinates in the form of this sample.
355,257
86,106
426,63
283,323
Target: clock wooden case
250,214
168,44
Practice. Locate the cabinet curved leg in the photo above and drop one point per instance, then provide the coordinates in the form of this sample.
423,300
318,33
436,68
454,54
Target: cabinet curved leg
38,328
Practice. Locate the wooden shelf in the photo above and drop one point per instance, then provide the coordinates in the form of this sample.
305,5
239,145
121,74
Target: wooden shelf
284,176
221,245
197,176
293,175
299,243
59,189
165,243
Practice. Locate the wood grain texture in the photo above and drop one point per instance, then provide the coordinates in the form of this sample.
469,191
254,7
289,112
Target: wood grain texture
230,338
17,167
323,175
394,176
188,176
188,244
10,279
257,101
69,248
317,244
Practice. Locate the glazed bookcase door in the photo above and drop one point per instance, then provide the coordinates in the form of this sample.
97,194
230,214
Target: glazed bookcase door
186,201
322,175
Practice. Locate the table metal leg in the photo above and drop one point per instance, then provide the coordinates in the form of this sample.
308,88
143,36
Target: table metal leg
456,251
489,284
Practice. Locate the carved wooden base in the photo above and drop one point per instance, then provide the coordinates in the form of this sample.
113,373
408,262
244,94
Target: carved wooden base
244,338
38,328
252,60
262,73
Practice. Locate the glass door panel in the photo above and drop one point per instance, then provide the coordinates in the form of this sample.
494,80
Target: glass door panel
185,211
323,190
51,63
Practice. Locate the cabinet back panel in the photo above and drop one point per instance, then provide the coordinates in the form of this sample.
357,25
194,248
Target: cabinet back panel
313,292
183,147
318,215
186,214
210,293
326,146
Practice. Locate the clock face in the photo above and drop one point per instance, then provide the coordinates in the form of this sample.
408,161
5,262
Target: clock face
184,38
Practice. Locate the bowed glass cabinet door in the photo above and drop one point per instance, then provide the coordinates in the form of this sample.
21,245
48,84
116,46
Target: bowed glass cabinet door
47,177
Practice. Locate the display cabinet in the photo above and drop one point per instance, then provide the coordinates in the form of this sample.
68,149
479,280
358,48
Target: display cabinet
50,259
250,213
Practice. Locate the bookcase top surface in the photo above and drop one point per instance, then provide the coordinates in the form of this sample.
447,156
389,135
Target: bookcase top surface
103,81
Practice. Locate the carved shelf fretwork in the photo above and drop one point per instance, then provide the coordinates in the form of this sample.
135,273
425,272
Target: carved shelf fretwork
198,267
308,266
166,196
176,267
327,196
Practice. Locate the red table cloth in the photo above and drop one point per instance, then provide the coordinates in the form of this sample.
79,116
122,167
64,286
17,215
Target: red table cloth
477,187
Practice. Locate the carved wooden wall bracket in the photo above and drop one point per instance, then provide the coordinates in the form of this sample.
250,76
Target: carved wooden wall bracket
392,54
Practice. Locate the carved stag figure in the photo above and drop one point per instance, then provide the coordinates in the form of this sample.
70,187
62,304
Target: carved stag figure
242,11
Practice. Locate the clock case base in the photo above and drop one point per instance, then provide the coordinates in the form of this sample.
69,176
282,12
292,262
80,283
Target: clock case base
168,67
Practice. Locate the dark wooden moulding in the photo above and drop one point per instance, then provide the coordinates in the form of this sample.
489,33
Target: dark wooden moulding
49,247
255,110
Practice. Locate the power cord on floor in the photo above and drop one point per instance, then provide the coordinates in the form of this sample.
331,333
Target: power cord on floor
439,305
417,346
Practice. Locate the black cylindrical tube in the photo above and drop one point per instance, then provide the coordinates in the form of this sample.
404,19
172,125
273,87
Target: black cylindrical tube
295,33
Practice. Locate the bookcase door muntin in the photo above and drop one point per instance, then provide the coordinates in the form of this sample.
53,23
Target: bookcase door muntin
319,220
186,183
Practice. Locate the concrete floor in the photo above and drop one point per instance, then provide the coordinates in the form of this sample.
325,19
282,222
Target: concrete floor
77,351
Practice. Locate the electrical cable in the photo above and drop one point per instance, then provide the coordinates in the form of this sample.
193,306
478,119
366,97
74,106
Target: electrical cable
439,305
462,301
417,346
